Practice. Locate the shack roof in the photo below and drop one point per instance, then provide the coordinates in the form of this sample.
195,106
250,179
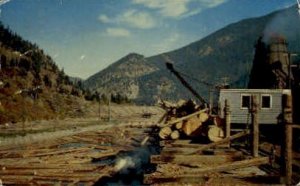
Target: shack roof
283,91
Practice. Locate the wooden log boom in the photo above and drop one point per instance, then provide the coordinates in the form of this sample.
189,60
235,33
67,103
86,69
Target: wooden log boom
225,140
186,117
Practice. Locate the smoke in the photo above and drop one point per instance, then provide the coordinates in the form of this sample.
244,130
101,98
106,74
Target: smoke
139,156
2,2
285,23
130,167
133,162
124,164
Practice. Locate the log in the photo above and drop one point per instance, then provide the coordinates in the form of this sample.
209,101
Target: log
179,150
192,127
203,117
12,180
55,152
171,142
234,165
192,146
221,179
178,125
163,118
191,160
225,140
165,132
186,117
296,126
180,103
10,166
215,133
175,135
166,104
170,171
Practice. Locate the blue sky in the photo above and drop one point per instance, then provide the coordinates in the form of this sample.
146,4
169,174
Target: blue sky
85,36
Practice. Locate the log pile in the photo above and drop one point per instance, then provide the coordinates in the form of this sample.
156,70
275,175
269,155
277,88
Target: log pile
184,163
77,159
186,119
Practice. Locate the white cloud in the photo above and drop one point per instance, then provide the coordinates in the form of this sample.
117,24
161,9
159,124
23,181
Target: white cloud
168,8
179,8
117,32
132,18
204,4
82,57
104,19
212,3
137,19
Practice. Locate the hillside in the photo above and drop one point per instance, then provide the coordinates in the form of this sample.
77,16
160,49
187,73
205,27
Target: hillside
227,53
124,74
31,85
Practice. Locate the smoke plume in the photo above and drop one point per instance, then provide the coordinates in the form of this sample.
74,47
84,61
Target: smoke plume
285,23
124,164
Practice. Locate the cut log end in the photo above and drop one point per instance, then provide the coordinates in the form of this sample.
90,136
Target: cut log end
178,125
215,133
203,117
165,132
175,135
191,126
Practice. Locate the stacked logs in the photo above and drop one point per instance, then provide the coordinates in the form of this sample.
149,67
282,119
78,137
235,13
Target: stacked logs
186,119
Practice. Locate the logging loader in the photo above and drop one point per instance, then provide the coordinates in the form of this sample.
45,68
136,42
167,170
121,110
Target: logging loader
188,119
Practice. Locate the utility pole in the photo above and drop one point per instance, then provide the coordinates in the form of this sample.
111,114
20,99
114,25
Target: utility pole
211,99
99,98
287,140
254,127
227,119
109,112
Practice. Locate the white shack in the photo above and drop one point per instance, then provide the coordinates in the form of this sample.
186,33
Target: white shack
269,104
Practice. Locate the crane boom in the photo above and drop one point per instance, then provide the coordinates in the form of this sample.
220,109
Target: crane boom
185,83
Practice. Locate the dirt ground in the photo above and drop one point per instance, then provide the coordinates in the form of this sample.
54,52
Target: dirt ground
82,151
74,151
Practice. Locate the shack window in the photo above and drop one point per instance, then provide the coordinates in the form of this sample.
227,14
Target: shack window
266,101
246,101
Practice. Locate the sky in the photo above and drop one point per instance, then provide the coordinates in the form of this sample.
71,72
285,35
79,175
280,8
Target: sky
85,36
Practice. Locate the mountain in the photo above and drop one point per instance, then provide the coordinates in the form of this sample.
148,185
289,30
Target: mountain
225,54
125,73
31,85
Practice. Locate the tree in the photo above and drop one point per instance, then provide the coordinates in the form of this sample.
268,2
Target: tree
37,60
3,61
47,81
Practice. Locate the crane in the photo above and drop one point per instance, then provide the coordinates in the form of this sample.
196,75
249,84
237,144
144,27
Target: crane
169,66
204,104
